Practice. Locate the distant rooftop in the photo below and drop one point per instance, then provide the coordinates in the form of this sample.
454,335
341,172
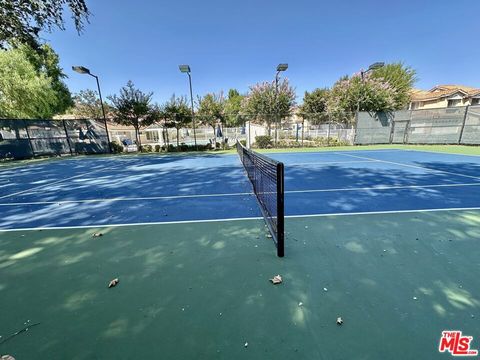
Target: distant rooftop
441,91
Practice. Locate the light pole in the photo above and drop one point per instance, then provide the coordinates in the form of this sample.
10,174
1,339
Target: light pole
84,70
280,68
186,69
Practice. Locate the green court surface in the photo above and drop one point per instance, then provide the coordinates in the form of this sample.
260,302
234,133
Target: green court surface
202,291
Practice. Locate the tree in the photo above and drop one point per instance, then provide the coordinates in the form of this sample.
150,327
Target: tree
314,107
133,107
48,62
211,110
23,20
264,105
87,105
31,85
401,78
177,114
233,107
351,94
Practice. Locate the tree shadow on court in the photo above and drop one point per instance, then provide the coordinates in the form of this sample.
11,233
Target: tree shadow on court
190,175
184,291
201,290
367,187
404,277
23,176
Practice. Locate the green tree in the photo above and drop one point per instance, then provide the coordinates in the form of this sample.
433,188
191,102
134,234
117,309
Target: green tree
177,114
133,107
211,110
263,104
23,20
401,78
314,107
233,107
367,94
87,105
26,89
48,62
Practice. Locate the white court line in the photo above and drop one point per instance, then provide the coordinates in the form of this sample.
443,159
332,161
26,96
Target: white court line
441,152
173,197
380,187
130,224
126,199
236,219
382,212
35,188
328,162
411,166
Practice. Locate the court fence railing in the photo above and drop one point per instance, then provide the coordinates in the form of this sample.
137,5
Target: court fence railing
454,125
290,131
25,138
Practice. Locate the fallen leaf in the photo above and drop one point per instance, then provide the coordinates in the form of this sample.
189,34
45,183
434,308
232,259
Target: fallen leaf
277,279
113,283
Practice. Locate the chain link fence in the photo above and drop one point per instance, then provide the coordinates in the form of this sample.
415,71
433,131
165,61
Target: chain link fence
456,125
23,139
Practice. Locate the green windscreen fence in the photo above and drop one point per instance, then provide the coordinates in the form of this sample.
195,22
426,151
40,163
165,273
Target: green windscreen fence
457,125
23,139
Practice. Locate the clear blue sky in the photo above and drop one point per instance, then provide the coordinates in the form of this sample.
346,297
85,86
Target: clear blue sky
236,44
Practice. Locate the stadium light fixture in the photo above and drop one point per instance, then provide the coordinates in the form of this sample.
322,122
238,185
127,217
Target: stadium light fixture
280,68
184,68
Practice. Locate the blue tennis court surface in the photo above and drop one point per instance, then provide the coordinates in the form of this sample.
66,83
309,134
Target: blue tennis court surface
91,191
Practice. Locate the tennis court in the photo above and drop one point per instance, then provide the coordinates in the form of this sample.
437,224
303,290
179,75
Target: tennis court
386,239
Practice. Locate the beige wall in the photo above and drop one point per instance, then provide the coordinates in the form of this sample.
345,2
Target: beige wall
432,104
441,103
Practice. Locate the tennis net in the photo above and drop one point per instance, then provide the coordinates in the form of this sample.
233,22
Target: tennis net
266,176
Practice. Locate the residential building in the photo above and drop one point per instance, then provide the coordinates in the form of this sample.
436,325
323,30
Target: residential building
445,96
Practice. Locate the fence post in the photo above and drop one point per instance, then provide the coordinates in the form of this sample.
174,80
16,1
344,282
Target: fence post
303,128
68,138
356,127
328,134
392,130
407,128
28,137
463,125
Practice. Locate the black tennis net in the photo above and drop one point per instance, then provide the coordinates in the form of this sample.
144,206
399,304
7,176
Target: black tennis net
266,176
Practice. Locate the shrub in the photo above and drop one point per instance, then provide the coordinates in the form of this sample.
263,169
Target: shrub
146,148
243,142
157,148
116,147
263,142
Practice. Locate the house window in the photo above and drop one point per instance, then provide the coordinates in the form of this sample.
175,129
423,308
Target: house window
414,106
454,102
152,135
476,101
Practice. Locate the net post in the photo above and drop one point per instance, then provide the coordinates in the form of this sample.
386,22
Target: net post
280,211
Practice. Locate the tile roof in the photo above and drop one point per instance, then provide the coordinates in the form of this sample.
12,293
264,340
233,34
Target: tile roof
441,91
